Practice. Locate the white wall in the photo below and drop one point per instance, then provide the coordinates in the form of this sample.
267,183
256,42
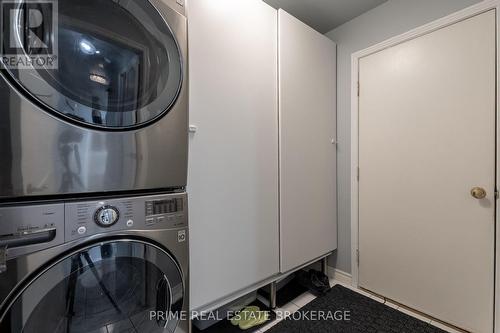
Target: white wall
385,21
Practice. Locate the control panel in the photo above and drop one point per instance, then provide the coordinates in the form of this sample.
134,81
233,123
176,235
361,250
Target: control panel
164,210
89,218
29,228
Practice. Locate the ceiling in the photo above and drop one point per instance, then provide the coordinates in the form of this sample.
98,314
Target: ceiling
325,15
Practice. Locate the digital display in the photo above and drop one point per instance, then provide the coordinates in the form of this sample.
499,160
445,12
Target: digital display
167,206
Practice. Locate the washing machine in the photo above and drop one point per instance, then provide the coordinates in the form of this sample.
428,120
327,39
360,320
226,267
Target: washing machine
94,97
95,266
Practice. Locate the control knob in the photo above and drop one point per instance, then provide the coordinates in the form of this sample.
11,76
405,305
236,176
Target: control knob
106,216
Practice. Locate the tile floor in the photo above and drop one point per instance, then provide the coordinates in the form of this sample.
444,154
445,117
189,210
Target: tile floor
307,297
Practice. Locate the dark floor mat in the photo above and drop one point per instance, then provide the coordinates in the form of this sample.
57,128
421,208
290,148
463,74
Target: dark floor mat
365,315
225,326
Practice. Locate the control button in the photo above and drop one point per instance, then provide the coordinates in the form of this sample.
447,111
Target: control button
160,219
130,223
150,221
106,216
81,230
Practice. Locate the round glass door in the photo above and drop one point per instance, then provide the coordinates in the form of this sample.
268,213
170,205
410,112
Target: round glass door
117,64
119,286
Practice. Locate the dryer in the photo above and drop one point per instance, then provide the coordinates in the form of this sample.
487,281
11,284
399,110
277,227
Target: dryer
106,111
102,265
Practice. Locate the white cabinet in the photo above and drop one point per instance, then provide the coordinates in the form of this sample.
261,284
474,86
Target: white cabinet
233,166
307,113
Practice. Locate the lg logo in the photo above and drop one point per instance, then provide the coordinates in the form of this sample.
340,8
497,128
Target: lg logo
29,33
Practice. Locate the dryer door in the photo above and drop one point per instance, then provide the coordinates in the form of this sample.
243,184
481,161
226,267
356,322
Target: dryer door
115,286
104,63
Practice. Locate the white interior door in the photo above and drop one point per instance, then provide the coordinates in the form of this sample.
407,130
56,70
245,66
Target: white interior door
426,138
307,108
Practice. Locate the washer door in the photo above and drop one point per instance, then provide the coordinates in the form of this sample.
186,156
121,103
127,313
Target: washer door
118,62
116,286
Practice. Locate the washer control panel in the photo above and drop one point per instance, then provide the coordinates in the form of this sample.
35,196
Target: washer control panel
87,218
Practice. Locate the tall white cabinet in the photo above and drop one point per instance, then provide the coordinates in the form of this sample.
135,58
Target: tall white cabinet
233,166
307,123
243,150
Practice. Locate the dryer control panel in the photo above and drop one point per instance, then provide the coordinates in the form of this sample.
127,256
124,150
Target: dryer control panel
166,211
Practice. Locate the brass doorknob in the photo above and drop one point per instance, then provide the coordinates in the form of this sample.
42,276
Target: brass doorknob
478,193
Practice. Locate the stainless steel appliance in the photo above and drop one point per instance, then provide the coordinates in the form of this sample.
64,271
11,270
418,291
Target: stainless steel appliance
112,116
113,265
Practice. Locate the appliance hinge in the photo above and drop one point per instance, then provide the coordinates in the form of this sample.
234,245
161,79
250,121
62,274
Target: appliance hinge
497,195
357,176
358,88
357,256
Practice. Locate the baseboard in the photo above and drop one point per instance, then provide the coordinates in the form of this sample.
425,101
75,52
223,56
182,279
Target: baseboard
339,275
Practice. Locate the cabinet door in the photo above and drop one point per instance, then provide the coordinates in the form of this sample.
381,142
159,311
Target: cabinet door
307,95
233,167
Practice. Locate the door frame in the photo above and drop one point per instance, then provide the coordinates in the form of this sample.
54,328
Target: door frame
461,15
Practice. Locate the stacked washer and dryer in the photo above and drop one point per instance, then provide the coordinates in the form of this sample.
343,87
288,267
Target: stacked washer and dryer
93,209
